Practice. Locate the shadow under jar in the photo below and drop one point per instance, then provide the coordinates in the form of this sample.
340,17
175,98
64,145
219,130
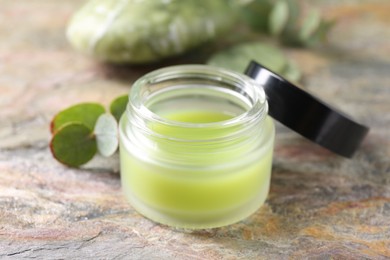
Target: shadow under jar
196,146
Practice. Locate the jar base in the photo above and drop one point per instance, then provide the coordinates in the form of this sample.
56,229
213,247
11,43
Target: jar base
196,220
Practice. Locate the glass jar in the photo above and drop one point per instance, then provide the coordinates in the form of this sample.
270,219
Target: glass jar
196,146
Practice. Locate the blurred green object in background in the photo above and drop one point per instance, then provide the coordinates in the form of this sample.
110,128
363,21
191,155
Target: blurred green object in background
130,31
238,57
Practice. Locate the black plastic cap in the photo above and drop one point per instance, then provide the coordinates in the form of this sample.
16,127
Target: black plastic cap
308,115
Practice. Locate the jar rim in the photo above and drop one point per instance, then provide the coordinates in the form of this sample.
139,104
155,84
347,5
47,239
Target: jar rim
258,106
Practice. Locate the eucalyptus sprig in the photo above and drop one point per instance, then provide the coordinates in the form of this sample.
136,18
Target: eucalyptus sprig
283,19
82,130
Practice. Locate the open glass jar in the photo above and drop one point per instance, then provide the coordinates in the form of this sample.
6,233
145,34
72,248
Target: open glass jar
196,146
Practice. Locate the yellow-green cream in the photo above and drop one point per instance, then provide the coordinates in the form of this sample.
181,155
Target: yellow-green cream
208,189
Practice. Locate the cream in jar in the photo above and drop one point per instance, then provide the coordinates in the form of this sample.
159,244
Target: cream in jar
196,146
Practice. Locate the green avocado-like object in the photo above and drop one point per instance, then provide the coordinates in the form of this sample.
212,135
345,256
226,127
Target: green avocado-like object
144,31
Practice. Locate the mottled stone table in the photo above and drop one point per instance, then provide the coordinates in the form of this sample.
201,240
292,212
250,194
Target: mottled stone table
321,206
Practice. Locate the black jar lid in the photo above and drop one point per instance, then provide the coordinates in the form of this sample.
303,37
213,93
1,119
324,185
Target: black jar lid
308,115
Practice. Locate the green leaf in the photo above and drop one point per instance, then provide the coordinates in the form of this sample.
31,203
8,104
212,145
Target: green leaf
73,144
290,35
238,57
106,132
294,13
85,113
118,106
320,35
278,17
310,25
256,13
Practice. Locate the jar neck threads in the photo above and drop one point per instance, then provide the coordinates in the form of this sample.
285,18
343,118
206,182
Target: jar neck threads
195,88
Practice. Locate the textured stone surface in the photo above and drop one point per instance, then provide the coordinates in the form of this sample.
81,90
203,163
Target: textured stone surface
320,206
